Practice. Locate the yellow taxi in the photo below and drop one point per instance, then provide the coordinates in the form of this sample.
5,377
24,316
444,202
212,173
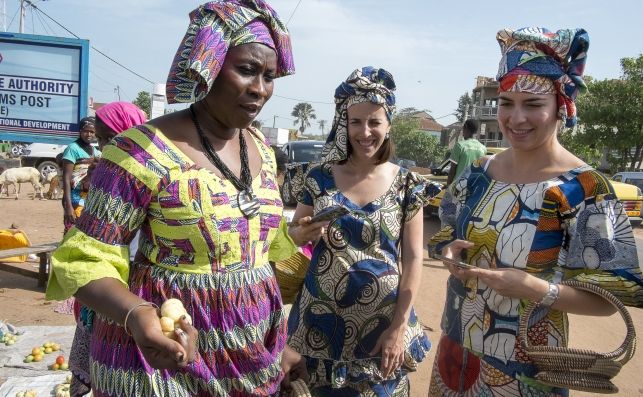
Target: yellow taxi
627,186
629,194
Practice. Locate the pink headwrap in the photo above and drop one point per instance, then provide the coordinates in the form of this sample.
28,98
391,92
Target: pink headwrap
121,116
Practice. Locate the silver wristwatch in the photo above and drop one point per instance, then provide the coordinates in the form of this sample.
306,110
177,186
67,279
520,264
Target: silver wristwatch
551,296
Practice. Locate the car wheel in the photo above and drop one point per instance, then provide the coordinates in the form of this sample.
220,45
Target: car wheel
17,150
47,167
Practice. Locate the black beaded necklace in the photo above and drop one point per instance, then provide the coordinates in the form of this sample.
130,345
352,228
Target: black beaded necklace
246,199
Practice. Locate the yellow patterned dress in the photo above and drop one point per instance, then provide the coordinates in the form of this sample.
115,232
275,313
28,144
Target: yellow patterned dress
195,245
568,227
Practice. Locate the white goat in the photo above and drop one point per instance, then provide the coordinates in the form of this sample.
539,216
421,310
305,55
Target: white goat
16,176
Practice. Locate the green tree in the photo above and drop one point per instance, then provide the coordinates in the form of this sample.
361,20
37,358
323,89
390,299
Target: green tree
611,115
575,143
144,101
465,107
414,144
303,112
257,124
410,111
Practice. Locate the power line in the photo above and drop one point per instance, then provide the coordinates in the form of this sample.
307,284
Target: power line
446,115
94,48
293,12
44,28
303,100
14,17
48,29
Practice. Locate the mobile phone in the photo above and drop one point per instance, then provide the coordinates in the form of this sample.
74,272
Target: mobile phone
454,262
327,214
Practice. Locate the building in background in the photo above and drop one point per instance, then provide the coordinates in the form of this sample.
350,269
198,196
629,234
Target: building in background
428,124
158,102
450,135
485,111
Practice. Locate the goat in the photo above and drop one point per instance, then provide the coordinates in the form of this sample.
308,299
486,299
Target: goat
54,179
16,176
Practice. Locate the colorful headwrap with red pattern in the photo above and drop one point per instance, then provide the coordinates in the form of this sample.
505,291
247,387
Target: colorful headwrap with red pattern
538,61
215,27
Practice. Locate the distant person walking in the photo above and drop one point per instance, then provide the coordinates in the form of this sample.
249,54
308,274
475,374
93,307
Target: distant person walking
466,151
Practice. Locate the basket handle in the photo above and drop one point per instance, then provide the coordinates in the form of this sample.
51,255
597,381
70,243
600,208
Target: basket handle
627,348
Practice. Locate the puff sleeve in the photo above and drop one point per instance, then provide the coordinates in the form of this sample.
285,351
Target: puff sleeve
601,248
116,206
415,194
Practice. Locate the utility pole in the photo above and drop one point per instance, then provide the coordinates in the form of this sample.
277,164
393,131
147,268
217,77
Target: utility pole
117,90
274,120
4,16
21,29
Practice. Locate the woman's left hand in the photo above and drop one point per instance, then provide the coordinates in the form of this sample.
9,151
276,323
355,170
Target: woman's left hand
510,282
293,365
390,346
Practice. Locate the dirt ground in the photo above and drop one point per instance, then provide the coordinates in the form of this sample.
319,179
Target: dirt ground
22,303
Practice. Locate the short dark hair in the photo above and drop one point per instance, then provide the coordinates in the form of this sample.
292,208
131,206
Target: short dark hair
384,154
470,126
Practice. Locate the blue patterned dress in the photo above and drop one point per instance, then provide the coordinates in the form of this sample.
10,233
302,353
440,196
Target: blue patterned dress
568,227
350,291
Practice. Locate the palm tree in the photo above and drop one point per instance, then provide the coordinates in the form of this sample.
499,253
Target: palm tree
322,125
303,112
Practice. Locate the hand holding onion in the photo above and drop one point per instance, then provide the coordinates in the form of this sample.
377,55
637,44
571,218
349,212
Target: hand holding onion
171,312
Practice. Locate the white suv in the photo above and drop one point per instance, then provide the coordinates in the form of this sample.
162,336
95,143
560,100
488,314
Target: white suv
42,156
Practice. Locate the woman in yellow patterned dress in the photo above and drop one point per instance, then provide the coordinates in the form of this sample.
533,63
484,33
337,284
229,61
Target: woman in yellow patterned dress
199,185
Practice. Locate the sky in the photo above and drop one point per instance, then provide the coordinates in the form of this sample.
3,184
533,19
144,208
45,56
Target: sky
434,49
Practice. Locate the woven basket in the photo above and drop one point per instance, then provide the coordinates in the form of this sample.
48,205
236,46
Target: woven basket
290,275
580,369
299,389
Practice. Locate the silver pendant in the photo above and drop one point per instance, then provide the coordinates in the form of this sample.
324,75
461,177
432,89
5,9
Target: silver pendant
248,203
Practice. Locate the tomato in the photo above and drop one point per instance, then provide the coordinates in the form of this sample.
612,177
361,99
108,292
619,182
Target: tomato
60,360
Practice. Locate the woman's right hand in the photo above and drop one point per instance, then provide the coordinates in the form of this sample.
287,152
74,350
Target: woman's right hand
307,231
69,215
159,351
453,251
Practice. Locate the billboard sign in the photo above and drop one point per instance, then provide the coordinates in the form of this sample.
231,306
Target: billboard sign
43,87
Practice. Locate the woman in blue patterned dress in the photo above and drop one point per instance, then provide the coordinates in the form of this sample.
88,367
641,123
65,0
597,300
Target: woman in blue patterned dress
354,321
527,219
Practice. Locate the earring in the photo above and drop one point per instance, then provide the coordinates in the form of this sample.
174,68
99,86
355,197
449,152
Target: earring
387,136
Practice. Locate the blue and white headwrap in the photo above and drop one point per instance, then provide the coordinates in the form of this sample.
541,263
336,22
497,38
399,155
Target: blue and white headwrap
368,84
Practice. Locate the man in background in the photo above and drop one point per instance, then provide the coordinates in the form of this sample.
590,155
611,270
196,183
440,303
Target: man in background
466,151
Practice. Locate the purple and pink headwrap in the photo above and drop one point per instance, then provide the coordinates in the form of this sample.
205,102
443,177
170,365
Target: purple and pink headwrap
215,27
121,116
538,61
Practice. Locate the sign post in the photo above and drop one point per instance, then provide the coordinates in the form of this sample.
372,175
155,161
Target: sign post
43,87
